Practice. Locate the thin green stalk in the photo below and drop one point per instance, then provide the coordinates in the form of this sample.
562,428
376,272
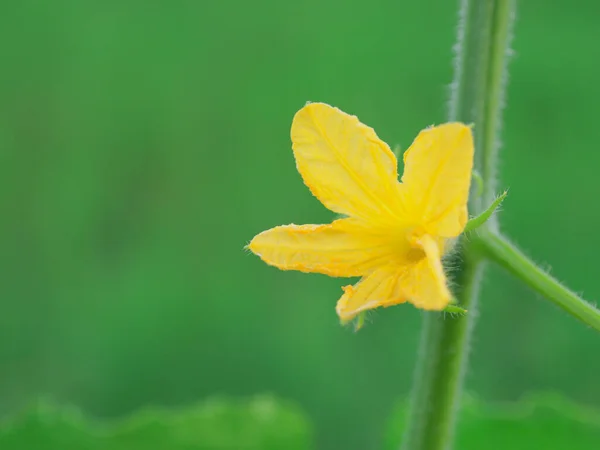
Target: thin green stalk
497,248
502,23
477,90
440,370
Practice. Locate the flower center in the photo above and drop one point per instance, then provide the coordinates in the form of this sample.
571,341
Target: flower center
415,255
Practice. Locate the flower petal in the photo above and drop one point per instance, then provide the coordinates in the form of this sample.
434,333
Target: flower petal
344,248
437,176
374,290
425,285
345,165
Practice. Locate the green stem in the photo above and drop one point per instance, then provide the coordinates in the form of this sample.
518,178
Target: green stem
477,90
501,35
440,370
497,248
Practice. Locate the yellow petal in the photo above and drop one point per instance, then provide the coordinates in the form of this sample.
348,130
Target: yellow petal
437,176
345,165
374,290
425,285
344,248
422,282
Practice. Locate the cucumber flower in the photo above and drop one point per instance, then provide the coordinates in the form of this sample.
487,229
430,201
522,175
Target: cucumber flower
392,233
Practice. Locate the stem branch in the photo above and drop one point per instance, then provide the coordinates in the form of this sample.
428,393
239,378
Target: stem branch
497,248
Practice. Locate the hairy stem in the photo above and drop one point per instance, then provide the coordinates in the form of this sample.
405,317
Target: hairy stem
497,248
441,369
477,97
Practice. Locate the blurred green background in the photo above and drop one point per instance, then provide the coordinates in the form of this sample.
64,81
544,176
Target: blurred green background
143,144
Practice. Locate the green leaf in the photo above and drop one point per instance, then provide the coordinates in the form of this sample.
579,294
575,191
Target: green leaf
546,422
260,424
455,309
476,222
360,321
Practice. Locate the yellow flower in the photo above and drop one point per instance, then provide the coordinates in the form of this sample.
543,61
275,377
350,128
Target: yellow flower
393,233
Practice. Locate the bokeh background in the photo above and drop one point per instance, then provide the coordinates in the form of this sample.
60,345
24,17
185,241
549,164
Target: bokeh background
143,144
